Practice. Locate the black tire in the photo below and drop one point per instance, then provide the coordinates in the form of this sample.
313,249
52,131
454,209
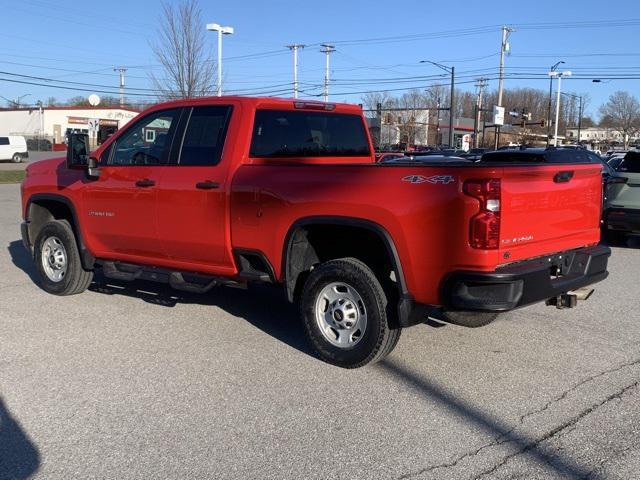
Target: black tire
615,237
17,158
377,340
470,319
76,279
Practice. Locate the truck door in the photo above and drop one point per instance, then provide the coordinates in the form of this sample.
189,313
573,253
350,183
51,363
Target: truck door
120,207
192,196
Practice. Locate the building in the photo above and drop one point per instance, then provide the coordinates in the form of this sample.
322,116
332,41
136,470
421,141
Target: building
417,127
53,123
598,135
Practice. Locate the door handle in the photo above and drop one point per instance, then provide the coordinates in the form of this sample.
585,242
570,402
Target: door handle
207,185
562,177
145,182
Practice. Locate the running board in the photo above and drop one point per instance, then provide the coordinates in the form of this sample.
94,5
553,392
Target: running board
185,281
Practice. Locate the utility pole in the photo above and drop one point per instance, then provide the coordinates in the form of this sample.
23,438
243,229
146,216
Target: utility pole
504,48
121,71
452,108
482,83
294,48
326,49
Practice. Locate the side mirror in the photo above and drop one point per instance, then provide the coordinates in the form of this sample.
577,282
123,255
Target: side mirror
92,168
77,150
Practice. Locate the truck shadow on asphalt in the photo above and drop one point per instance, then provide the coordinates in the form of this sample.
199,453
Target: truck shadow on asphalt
263,306
501,432
19,457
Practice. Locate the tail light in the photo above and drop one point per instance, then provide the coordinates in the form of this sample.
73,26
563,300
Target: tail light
484,227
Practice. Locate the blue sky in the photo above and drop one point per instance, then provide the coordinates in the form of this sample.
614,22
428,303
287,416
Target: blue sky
75,41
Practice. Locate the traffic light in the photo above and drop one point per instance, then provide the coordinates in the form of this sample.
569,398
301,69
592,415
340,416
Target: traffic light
543,123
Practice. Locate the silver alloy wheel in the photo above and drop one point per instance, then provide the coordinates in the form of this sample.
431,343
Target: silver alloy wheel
54,259
341,315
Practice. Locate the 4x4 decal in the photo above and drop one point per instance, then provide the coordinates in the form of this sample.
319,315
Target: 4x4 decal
444,179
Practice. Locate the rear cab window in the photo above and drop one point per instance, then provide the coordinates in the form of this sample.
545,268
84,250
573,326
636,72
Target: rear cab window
204,136
291,133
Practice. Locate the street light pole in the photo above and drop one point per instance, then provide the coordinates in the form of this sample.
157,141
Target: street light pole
451,70
221,31
566,73
553,69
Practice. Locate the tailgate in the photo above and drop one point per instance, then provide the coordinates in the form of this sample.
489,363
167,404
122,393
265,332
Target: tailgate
549,208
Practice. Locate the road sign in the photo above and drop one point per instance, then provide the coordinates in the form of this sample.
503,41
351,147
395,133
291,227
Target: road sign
94,124
498,115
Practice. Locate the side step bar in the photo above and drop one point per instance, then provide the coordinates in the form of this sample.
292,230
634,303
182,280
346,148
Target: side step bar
185,281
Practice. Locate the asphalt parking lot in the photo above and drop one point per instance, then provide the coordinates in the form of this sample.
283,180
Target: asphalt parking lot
140,381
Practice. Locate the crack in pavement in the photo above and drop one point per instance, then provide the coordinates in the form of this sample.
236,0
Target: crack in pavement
504,437
558,430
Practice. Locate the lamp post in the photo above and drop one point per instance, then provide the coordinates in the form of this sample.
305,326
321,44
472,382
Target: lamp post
221,31
559,76
553,69
452,71
579,97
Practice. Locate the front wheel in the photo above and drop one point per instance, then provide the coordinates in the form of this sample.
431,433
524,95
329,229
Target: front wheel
58,261
344,310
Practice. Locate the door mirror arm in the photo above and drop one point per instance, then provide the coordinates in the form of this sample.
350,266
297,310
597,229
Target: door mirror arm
93,172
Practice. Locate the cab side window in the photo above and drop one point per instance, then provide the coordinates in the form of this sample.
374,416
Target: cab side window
204,135
148,141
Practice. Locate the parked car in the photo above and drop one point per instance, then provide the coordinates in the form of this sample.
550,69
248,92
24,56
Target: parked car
622,213
39,144
14,148
427,159
474,154
383,156
218,191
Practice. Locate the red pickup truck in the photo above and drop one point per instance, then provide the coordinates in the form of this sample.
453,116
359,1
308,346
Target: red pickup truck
215,191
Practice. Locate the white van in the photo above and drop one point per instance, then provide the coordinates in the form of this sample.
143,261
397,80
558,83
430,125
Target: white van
14,148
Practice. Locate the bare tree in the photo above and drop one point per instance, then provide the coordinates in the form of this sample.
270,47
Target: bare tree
180,48
622,113
371,100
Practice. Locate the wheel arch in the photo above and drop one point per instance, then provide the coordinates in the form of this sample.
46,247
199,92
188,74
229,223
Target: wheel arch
44,207
297,246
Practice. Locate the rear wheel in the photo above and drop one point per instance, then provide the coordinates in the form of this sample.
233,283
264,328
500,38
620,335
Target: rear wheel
344,310
470,319
17,158
615,237
58,261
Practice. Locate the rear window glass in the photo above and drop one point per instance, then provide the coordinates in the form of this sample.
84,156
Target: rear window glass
630,164
204,136
4,140
308,134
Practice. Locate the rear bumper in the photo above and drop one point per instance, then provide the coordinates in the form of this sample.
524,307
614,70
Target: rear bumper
526,282
622,219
